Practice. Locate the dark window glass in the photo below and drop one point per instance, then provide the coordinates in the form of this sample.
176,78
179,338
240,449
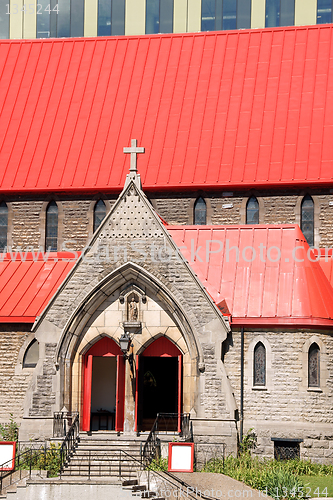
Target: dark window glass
104,18
3,226
118,17
53,18
166,16
229,14
259,365
51,230
4,19
77,17
43,19
324,11
252,211
200,212
31,355
64,19
243,14
152,16
99,213
208,15
307,219
272,13
286,450
280,12
287,13
314,371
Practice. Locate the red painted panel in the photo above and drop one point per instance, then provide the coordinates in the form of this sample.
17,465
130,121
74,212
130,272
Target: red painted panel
88,97
180,387
136,392
105,347
162,347
87,393
120,395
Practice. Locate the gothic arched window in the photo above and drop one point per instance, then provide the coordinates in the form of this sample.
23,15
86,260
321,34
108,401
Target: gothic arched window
259,365
99,213
200,212
252,211
31,355
51,228
307,219
3,225
313,366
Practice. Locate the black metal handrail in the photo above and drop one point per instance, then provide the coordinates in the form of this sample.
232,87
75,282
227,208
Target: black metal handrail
70,442
62,421
24,463
165,422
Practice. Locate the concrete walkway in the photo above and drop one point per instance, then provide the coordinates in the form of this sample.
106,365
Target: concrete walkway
219,486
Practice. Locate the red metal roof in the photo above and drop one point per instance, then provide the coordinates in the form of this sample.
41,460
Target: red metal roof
277,284
27,283
212,109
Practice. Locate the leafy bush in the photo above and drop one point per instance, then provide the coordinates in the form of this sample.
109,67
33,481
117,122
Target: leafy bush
42,459
9,432
158,464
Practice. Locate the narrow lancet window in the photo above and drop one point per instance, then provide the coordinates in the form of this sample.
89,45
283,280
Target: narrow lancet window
51,229
99,214
200,212
252,211
3,226
314,360
259,365
31,355
307,219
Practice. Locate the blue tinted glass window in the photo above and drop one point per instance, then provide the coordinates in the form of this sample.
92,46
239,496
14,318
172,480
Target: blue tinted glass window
229,14
200,212
118,17
307,219
243,14
272,13
324,11
64,19
104,18
3,225
77,17
152,16
252,211
51,229
208,15
287,12
166,16
99,213
43,19
4,19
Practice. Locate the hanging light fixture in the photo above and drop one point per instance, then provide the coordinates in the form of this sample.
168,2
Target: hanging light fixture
124,343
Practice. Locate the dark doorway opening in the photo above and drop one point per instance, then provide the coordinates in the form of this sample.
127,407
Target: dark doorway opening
103,393
158,389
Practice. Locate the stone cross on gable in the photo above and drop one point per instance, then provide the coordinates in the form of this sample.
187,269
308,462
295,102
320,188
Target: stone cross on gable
134,150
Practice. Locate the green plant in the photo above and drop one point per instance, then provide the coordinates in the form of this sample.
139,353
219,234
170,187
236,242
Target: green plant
249,442
9,432
158,464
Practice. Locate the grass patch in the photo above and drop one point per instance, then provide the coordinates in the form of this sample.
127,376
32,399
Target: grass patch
287,479
318,486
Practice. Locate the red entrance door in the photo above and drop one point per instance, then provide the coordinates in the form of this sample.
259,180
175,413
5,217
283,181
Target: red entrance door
158,382
104,347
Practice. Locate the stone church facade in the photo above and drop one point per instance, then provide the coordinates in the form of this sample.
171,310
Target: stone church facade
233,311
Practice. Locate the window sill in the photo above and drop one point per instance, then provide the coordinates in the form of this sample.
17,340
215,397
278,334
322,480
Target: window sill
314,389
259,388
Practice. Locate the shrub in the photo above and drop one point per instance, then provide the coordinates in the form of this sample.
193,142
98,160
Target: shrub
9,432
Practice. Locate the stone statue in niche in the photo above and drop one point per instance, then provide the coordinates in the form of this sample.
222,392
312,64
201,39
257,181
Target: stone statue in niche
133,310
